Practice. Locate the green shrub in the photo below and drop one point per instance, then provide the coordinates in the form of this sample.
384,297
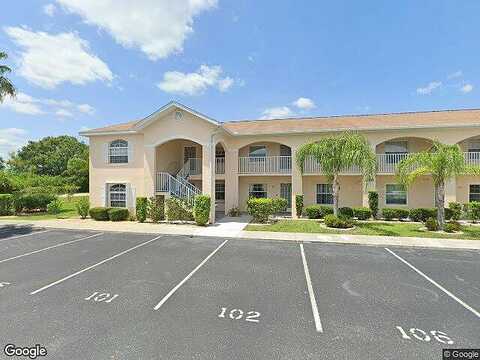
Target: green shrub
362,213
54,207
201,209
234,212
260,209
373,203
389,213
156,208
99,213
456,209
6,185
345,212
422,214
31,202
82,206
452,226
474,211
402,214
118,214
279,205
337,222
448,213
141,208
299,205
431,224
6,204
318,211
175,210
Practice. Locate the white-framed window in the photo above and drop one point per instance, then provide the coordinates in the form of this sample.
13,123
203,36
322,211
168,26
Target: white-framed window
257,190
395,194
117,195
474,146
474,194
324,194
118,152
257,151
219,191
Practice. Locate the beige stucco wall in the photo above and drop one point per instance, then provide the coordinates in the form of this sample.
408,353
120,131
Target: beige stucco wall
420,193
272,182
273,149
350,190
169,156
414,144
463,187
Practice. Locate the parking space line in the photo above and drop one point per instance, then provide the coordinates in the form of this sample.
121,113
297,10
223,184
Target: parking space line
311,293
461,302
49,247
19,236
188,277
94,265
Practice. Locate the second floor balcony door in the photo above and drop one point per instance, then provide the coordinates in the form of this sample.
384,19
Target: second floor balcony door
285,156
190,152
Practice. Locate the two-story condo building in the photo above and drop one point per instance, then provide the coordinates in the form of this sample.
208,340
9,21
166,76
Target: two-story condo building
177,151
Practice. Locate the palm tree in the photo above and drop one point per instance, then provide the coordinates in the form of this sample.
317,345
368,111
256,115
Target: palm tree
6,86
442,162
336,153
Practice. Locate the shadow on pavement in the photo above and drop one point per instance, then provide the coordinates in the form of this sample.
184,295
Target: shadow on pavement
7,231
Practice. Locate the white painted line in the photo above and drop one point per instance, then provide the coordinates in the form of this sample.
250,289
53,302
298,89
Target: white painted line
461,302
50,247
94,265
313,302
188,277
20,236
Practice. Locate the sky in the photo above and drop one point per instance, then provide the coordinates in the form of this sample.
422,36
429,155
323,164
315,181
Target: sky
82,64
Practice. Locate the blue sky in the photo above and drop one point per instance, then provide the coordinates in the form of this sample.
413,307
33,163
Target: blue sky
79,64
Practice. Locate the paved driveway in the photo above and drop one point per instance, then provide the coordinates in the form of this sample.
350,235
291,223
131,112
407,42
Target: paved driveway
93,295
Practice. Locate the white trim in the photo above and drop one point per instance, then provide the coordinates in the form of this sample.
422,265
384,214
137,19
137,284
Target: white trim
110,132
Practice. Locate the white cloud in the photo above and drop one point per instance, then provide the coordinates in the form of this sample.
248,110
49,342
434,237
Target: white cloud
28,105
49,60
23,104
49,9
176,82
427,90
304,103
157,27
86,109
276,112
455,75
10,140
466,88
63,113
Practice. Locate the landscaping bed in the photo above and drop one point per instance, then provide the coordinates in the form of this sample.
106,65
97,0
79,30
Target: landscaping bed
367,228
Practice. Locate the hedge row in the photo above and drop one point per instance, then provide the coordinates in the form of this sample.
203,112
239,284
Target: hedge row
112,214
321,211
262,208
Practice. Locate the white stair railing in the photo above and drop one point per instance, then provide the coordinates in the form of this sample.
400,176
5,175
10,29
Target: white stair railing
181,189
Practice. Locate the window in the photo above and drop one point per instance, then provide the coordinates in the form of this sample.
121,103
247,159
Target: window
396,194
117,194
324,194
474,146
257,190
219,152
220,191
395,151
118,152
257,151
474,193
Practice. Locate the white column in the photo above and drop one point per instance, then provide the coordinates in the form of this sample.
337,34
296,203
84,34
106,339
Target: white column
231,179
149,170
208,176
297,183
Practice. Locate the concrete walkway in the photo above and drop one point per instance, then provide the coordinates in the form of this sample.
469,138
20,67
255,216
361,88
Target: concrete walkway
229,227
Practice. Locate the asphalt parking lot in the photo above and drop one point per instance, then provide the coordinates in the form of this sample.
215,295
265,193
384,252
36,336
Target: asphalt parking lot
92,295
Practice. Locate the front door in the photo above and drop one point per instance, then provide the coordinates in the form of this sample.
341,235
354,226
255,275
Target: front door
190,152
286,193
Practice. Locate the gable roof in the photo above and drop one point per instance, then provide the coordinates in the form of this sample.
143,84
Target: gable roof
393,121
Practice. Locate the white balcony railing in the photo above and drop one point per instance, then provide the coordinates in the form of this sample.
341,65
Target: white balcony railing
387,163
311,166
220,165
265,165
472,158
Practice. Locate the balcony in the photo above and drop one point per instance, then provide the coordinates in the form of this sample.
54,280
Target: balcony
271,165
311,167
220,165
472,158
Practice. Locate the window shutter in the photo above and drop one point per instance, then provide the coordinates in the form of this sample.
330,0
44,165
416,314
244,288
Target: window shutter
130,152
104,192
105,153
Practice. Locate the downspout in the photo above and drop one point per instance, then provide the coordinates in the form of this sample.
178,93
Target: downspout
213,173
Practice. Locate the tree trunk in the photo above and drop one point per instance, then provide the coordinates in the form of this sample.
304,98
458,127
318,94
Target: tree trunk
440,200
335,193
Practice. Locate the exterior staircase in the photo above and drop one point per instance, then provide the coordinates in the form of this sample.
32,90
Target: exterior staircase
178,186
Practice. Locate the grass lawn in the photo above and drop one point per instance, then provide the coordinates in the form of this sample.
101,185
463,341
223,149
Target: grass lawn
68,212
366,228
